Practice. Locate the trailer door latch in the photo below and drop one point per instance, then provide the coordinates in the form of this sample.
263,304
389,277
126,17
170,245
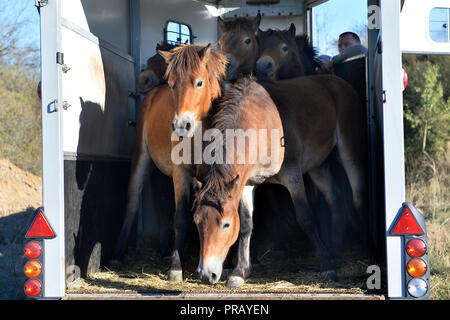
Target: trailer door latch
60,60
40,3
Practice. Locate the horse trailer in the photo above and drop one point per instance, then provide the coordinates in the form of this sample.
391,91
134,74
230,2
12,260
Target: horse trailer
93,51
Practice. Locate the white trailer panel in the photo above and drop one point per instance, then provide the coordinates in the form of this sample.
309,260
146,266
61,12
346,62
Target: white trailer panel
52,149
416,27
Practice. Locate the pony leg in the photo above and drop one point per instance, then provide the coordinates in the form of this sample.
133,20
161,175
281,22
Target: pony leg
352,160
141,166
293,181
242,269
181,182
328,186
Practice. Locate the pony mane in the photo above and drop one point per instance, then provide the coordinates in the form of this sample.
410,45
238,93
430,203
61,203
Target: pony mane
165,46
239,23
306,47
284,35
225,116
185,61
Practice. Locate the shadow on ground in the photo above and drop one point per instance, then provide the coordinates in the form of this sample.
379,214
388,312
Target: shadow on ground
12,260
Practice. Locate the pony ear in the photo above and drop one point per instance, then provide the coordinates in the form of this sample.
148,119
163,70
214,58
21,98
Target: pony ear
167,55
292,30
158,47
196,185
222,25
256,22
301,41
204,52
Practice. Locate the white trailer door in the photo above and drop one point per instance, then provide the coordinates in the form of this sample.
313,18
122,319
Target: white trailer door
393,144
90,57
52,148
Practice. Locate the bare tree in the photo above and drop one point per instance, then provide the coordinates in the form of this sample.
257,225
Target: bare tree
13,48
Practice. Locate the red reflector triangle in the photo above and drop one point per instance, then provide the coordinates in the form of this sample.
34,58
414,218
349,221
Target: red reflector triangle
40,228
407,224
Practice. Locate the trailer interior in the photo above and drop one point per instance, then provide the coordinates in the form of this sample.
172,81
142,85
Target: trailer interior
106,44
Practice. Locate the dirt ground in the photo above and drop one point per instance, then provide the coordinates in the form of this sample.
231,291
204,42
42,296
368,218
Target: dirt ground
20,195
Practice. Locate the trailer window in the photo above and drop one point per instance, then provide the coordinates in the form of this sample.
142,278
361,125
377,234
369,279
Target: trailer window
439,24
177,33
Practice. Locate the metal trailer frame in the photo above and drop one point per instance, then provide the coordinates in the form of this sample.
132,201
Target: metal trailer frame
53,155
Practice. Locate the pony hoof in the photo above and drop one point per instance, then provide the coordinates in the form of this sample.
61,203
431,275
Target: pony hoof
331,275
114,264
175,275
235,281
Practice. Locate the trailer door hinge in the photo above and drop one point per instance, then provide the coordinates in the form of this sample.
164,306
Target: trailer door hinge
40,3
60,58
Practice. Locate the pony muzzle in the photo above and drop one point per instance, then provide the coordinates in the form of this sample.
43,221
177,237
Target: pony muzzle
265,68
147,80
210,271
184,126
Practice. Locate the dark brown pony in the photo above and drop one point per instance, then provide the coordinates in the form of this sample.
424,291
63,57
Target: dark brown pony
153,75
318,114
239,44
193,74
283,55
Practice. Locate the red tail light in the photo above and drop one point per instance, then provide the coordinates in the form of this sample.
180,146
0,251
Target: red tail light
405,79
33,250
33,287
416,248
39,90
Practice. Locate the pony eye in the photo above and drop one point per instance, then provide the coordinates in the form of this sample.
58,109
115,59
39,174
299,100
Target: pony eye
199,84
247,41
226,225
284,48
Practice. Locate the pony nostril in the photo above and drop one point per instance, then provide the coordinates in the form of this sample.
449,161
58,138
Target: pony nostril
269,64
188,126
213,276
173,126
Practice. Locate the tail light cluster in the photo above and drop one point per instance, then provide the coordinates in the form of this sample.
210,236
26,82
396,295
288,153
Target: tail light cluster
38,230
411,225
33,268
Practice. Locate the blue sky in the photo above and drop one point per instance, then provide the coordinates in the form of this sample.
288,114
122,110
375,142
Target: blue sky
331,19
335,17
25,11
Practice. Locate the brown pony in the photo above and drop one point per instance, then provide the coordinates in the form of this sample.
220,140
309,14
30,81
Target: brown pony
318,114
153,75
239,44
193,73
283,55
